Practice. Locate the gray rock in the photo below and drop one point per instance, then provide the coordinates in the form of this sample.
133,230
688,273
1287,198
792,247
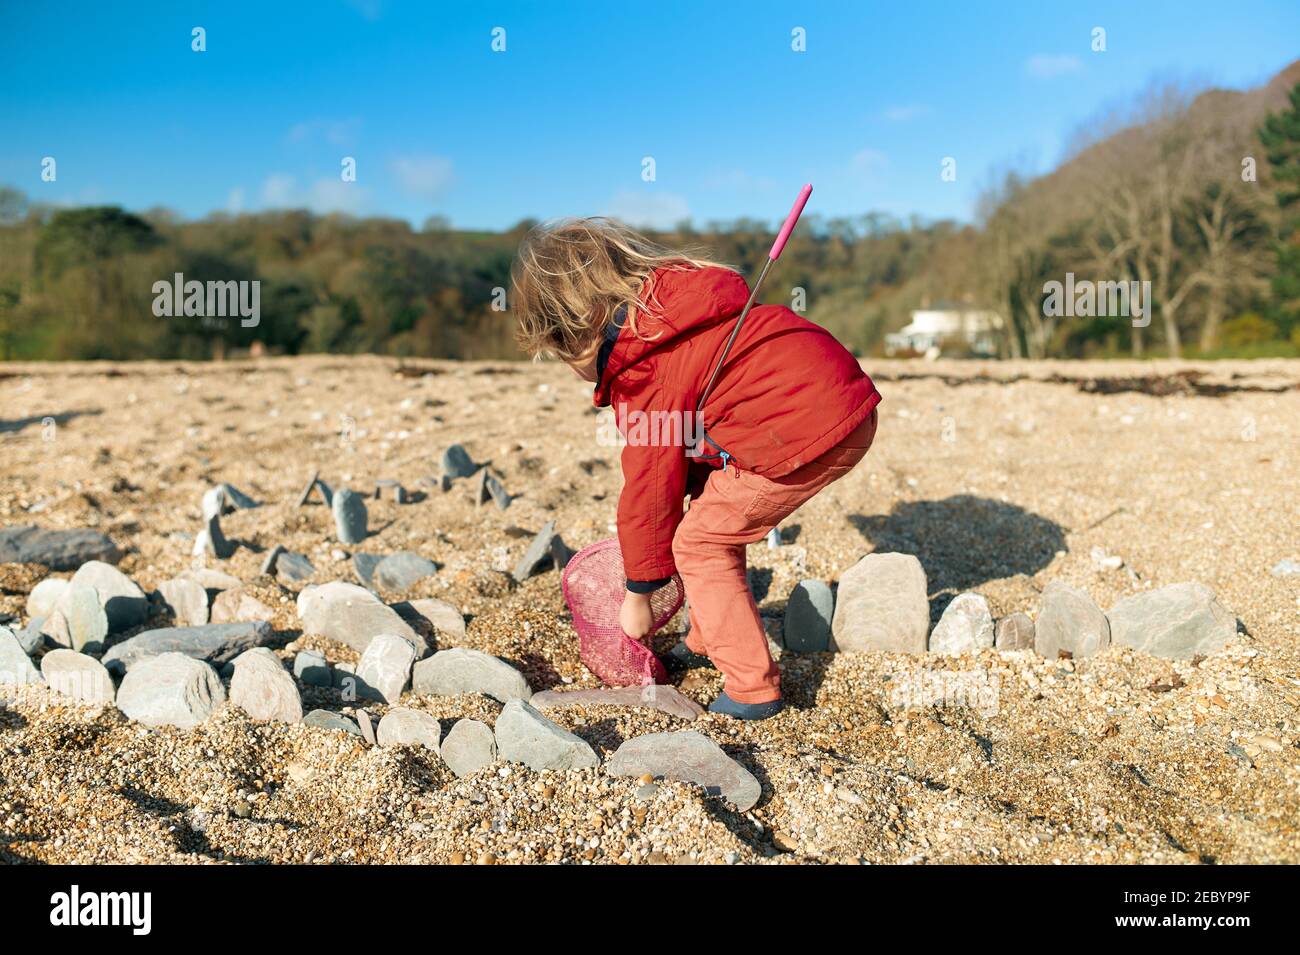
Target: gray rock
539,550
235,606
270,560
326,720
490,489
469,747
808,615
462,670
216,643
78,676
291,567
446,621
320,487
363,565
395,491
1069,622
690,757
367,727
263,689
125,603
79,622
214,503
186,599
171,690
352,615
965,627
525,736
456,462
882,605
349,516
45,596
1015,632
57,550
385,668
30,637
666,699
232,499
211,542
403,570
1283,568
312,668
16,667
406,727
1177,622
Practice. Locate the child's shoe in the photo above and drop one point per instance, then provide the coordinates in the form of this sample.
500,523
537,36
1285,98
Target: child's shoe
684,658
745,711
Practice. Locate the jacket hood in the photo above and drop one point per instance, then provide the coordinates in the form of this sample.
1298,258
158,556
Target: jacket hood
688,300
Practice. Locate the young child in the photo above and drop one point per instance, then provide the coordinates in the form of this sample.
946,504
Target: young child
790,412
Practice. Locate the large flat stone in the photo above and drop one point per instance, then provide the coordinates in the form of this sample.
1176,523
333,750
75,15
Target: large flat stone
16,667
171,690
446,621
525,736
263,688
235,606
403,570
469,746
882,605
808,615
691,757
537,554
385,668
965,627
327,720
1177,622
57,550
1015,632
1069,623
186,599
123,601
352,615
45,596
666,699
350,516
217,643
77,675
462,670
402,726
79,621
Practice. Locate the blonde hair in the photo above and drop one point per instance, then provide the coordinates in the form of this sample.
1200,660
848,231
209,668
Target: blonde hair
573,275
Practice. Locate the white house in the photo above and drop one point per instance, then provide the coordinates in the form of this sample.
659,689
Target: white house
950,327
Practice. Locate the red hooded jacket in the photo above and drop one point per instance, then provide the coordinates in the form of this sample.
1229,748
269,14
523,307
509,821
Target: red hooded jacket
788,393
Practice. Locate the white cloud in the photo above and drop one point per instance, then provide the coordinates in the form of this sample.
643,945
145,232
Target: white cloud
336,132
1045,66
235,201
869,162
280,191
738,180
654,210
901,114
423,176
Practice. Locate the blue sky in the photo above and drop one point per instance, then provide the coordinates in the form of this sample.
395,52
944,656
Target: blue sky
560,122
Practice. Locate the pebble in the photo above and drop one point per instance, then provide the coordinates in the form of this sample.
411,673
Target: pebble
270,560
1176,622
647,792
406,727
186,599
446,621
55,549
77,675
490,489
349,516
367,727
16,667
210,541
470,745
539,549
170,690
125,603
216,643
351,615
965,627
808,615
691,757
666,699
1286,568
385,668
456,462
328,720
45,596
263,689
882,605
363,565
1015,632
291,567
235,606
525,736
312,668
462,670
403,570
1069,621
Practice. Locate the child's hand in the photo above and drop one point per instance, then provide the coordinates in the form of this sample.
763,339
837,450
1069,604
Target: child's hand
634,616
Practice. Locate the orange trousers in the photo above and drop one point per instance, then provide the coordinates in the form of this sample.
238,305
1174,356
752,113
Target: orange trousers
737,508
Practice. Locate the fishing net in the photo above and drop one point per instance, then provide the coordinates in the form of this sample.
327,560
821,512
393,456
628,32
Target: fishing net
594,586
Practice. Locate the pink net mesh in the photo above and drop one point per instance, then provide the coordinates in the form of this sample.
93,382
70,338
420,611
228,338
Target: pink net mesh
594,586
